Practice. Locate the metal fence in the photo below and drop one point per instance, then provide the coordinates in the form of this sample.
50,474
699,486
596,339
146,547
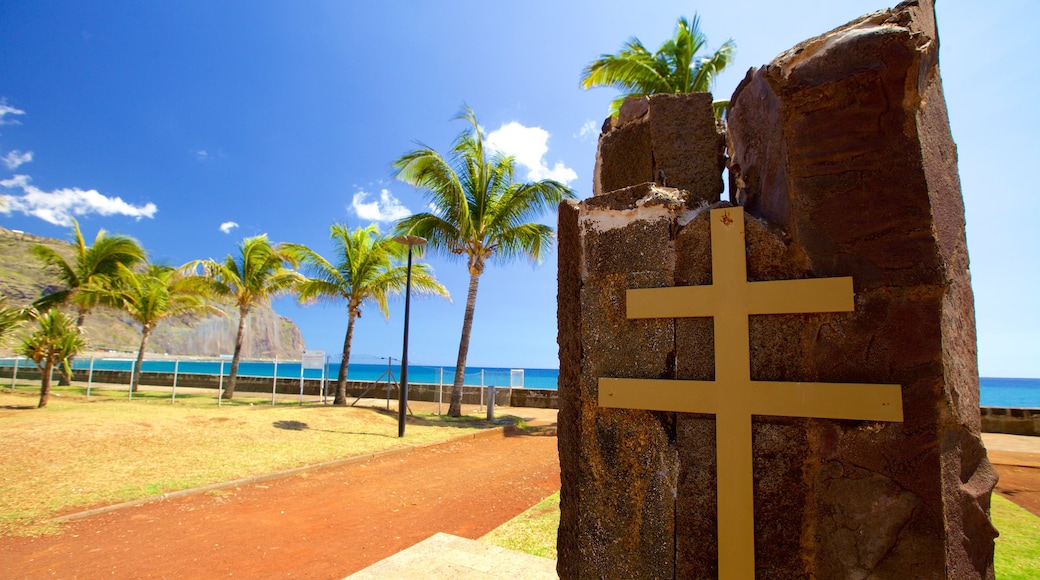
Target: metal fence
118,370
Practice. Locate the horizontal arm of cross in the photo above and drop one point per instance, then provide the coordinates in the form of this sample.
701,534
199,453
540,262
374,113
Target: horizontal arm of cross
855,401
771,297
800,296
660,395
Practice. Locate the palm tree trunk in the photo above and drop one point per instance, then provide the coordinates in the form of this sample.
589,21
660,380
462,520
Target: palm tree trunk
455,407
341,382
65,375
140,358
45,383
229,391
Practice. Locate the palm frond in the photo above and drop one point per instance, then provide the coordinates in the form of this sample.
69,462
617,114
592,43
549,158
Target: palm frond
11,318
720,106
92,272
479,202
529,240
55,339
709,67
368,267
254,275
51,258
674,67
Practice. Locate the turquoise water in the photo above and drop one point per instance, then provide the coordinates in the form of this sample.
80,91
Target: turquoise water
1002,392
476,376
994,392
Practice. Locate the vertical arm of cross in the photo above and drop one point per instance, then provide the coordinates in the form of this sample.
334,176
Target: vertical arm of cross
735,478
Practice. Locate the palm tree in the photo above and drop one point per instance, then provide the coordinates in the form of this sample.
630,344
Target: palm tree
96,265
480,213
251,278
673,68
55,342
155,294
368,268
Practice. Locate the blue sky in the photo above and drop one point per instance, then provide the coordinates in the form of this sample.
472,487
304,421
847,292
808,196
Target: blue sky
190,125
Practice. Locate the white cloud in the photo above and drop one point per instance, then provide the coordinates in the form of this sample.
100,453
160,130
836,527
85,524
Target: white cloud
201,154
589,128
5,110
226,227
529,146
18,181
386,209
15,158
59,206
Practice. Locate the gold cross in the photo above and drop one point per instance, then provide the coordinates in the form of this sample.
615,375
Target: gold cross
733,397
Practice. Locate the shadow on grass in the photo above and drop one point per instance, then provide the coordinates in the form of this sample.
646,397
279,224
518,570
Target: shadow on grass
430,420
18,407
301,426
514,426
290,425
546,431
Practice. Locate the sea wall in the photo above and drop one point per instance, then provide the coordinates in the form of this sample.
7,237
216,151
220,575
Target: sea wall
1012,421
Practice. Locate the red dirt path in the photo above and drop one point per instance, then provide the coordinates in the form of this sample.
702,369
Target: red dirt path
332,522
325,524
1019,477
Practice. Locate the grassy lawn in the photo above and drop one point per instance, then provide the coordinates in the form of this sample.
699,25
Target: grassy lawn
75,454
1018,547
1017,553
532,532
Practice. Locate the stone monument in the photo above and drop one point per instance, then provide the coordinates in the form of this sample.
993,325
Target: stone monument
785,386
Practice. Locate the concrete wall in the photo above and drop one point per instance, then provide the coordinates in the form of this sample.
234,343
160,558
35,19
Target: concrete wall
1010,420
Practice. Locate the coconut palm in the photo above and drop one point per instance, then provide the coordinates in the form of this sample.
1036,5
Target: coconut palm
481,212
96,265
251,278
55,341
153,295
674,68
368,268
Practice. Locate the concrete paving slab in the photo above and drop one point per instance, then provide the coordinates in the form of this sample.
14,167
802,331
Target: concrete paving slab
1018,450
1016,443
447,557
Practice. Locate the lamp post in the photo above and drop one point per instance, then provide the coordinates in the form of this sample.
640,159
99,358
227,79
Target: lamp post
402,406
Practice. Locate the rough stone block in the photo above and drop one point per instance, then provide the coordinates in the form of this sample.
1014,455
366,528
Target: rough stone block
670,140
688,146
843,161
844,144
623,240
625,157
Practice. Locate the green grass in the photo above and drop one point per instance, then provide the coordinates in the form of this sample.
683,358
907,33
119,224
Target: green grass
532,532
1018,547
1017,552
75,454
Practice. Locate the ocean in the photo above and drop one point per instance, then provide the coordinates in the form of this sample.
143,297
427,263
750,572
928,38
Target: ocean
1004,392
476,376
994,392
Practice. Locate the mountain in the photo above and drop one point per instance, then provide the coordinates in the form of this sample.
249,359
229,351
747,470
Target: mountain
23,279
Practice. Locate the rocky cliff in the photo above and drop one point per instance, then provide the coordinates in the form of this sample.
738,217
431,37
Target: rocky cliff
268,335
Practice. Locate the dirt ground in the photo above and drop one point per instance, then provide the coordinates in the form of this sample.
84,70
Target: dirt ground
1019,477
330,523
325,524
